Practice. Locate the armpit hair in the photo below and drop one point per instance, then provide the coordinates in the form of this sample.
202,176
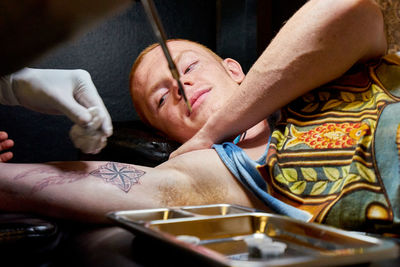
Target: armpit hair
201,192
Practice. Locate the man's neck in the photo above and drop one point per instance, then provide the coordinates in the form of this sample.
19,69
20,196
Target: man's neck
256,139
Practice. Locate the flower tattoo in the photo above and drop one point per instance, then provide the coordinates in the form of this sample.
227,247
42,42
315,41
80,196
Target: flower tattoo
121,175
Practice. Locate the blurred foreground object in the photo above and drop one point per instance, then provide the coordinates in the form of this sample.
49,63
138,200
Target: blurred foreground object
29,28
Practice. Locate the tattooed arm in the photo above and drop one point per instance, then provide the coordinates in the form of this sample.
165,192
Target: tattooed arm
88,190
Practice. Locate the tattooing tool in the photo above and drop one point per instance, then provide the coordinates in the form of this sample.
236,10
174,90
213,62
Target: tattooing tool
158,29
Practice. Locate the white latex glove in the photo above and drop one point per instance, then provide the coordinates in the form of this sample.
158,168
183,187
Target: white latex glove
68,92
89,139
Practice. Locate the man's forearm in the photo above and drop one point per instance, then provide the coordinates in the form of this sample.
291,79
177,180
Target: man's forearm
76,190
86,191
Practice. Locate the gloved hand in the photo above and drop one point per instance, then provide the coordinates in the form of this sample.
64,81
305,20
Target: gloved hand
68,92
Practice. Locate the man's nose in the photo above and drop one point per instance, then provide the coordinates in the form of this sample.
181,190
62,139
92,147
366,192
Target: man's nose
175,90
187,81
185,84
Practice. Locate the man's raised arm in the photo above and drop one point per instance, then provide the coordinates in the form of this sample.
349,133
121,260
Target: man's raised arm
86,191
318,44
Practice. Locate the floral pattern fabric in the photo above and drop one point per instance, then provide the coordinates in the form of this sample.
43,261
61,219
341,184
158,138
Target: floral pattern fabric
335,151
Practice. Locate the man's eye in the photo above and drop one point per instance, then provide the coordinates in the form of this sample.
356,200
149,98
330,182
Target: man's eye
162,100
190,67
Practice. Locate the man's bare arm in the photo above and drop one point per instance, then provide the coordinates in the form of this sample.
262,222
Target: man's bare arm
88,190
318,44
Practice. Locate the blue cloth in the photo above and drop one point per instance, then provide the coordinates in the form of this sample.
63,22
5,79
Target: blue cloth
245,170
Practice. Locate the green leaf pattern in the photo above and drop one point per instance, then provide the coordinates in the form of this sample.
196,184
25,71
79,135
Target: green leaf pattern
331,104
280,139
290,174
318,188
347,100
335,187
332,174
310,107
280,178
366,96
345,171
324,96
298,187
366,173
330,181
352,177
309,174
355,105
347,97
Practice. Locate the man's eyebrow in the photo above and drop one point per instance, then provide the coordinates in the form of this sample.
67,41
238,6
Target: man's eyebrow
154,87
181,54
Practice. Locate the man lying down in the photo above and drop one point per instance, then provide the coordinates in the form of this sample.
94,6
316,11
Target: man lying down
332,156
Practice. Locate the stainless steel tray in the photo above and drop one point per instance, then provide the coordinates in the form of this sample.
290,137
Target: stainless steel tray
221,233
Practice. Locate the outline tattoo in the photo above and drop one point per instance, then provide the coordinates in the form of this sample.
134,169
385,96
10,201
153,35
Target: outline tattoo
124,176
54,177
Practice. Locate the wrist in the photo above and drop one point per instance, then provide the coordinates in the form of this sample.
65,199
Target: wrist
212,132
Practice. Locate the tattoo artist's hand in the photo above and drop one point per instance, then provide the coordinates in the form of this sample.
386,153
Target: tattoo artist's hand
68,92
5,144
198,141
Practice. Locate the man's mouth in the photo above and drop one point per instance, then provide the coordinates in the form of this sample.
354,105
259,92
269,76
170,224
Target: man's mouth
196,96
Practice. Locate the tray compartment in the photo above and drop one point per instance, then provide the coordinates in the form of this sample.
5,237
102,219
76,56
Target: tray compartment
143,216
217,209
225,234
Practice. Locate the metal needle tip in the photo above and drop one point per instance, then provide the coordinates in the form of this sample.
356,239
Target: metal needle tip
159,32
182,92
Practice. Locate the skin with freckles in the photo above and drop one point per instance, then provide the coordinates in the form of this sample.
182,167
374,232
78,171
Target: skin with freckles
208,82
5,144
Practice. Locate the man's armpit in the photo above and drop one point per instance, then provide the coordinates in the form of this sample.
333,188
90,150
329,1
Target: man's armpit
184,191
199,177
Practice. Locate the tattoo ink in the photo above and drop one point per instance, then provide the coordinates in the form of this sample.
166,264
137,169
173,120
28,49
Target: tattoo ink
52,177
124,176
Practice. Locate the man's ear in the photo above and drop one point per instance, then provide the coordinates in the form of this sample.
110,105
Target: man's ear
234,69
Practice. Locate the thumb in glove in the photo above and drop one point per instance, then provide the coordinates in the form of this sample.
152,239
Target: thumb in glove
89,139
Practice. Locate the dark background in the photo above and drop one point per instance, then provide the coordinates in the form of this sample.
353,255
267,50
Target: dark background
240,29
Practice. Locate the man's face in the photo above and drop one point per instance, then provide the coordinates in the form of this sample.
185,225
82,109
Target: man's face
208,83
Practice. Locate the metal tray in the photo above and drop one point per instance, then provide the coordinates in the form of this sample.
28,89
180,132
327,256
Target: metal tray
226,234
